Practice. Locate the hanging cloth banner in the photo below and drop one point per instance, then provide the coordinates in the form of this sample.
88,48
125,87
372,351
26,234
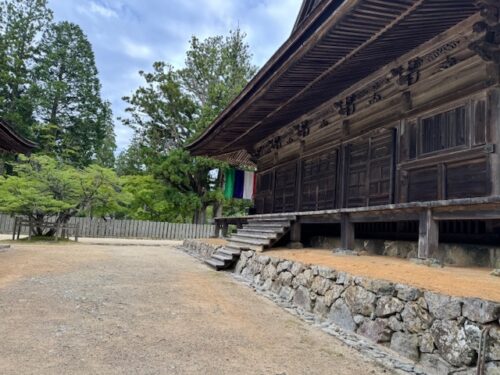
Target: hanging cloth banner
229,184
239,184
248,187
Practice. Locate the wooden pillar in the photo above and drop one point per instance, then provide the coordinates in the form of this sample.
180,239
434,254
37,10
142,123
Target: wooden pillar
225,229
428,237
239,225
296,235
493,138
217,228
347,234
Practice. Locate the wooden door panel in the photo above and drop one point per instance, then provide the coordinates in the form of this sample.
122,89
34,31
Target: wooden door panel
319,180
285,188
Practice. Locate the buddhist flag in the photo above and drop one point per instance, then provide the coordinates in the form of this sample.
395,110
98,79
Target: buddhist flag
229,184
239,184
248,188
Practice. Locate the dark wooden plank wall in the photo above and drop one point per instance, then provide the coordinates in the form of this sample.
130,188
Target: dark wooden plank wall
431,140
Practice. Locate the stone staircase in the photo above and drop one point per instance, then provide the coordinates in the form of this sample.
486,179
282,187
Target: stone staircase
257,235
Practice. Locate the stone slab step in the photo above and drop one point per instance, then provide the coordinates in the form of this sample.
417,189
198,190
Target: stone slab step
223,257
246,246
234,252
257,234
263,230
273,228
250,240
217,264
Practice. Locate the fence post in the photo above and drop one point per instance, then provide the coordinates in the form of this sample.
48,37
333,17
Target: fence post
14,229
19,228
30,229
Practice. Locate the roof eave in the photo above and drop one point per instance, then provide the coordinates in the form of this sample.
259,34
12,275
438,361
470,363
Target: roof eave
273,64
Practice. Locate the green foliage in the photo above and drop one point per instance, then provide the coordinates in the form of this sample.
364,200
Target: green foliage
216,71
150,199
174,106
66,91
131,160
42,187
22,23
49,85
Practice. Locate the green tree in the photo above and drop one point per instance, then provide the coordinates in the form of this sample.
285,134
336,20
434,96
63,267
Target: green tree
216,70
175,105
43,188
131,160
22,23
76,124
160,113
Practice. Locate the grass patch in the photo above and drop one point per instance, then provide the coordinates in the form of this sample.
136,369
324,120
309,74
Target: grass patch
43,239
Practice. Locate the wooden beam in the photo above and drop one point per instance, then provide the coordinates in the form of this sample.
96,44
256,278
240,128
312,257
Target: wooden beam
387,28
428,236
347,234
467,215
322,219
383,217
296,235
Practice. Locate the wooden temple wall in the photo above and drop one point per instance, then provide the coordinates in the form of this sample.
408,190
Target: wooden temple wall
424,128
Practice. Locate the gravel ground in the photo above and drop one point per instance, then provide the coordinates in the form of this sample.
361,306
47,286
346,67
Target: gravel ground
82,309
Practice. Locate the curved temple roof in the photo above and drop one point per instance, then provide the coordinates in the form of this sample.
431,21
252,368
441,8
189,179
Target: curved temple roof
334,45
10,141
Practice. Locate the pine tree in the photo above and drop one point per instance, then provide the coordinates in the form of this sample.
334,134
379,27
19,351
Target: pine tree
68,100
22,22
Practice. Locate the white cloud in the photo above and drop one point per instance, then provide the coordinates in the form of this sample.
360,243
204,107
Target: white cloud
93,9
129,35
102,10
137,50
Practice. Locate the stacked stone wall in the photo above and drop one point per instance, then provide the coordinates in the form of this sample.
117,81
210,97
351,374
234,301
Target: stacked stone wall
441,333
200,249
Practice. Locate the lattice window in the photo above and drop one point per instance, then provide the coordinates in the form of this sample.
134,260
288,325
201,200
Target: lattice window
319,179
443,131
285,188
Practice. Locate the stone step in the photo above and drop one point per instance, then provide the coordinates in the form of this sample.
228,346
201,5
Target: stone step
217,264
263,230
256,234
246,246
223,257
250,240
234,252
273,228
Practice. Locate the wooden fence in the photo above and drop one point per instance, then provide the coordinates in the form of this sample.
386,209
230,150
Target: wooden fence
100,228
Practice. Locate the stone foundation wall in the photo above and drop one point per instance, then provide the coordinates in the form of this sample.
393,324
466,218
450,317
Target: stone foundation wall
461,255
439,332
199,249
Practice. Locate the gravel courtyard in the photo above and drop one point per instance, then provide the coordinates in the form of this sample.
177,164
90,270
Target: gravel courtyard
93,309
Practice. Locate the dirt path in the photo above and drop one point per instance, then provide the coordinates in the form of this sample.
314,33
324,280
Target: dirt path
80,309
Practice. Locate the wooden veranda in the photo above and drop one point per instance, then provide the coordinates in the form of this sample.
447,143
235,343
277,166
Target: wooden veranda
427,214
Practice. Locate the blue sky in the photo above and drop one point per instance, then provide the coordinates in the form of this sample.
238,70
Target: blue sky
129,35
